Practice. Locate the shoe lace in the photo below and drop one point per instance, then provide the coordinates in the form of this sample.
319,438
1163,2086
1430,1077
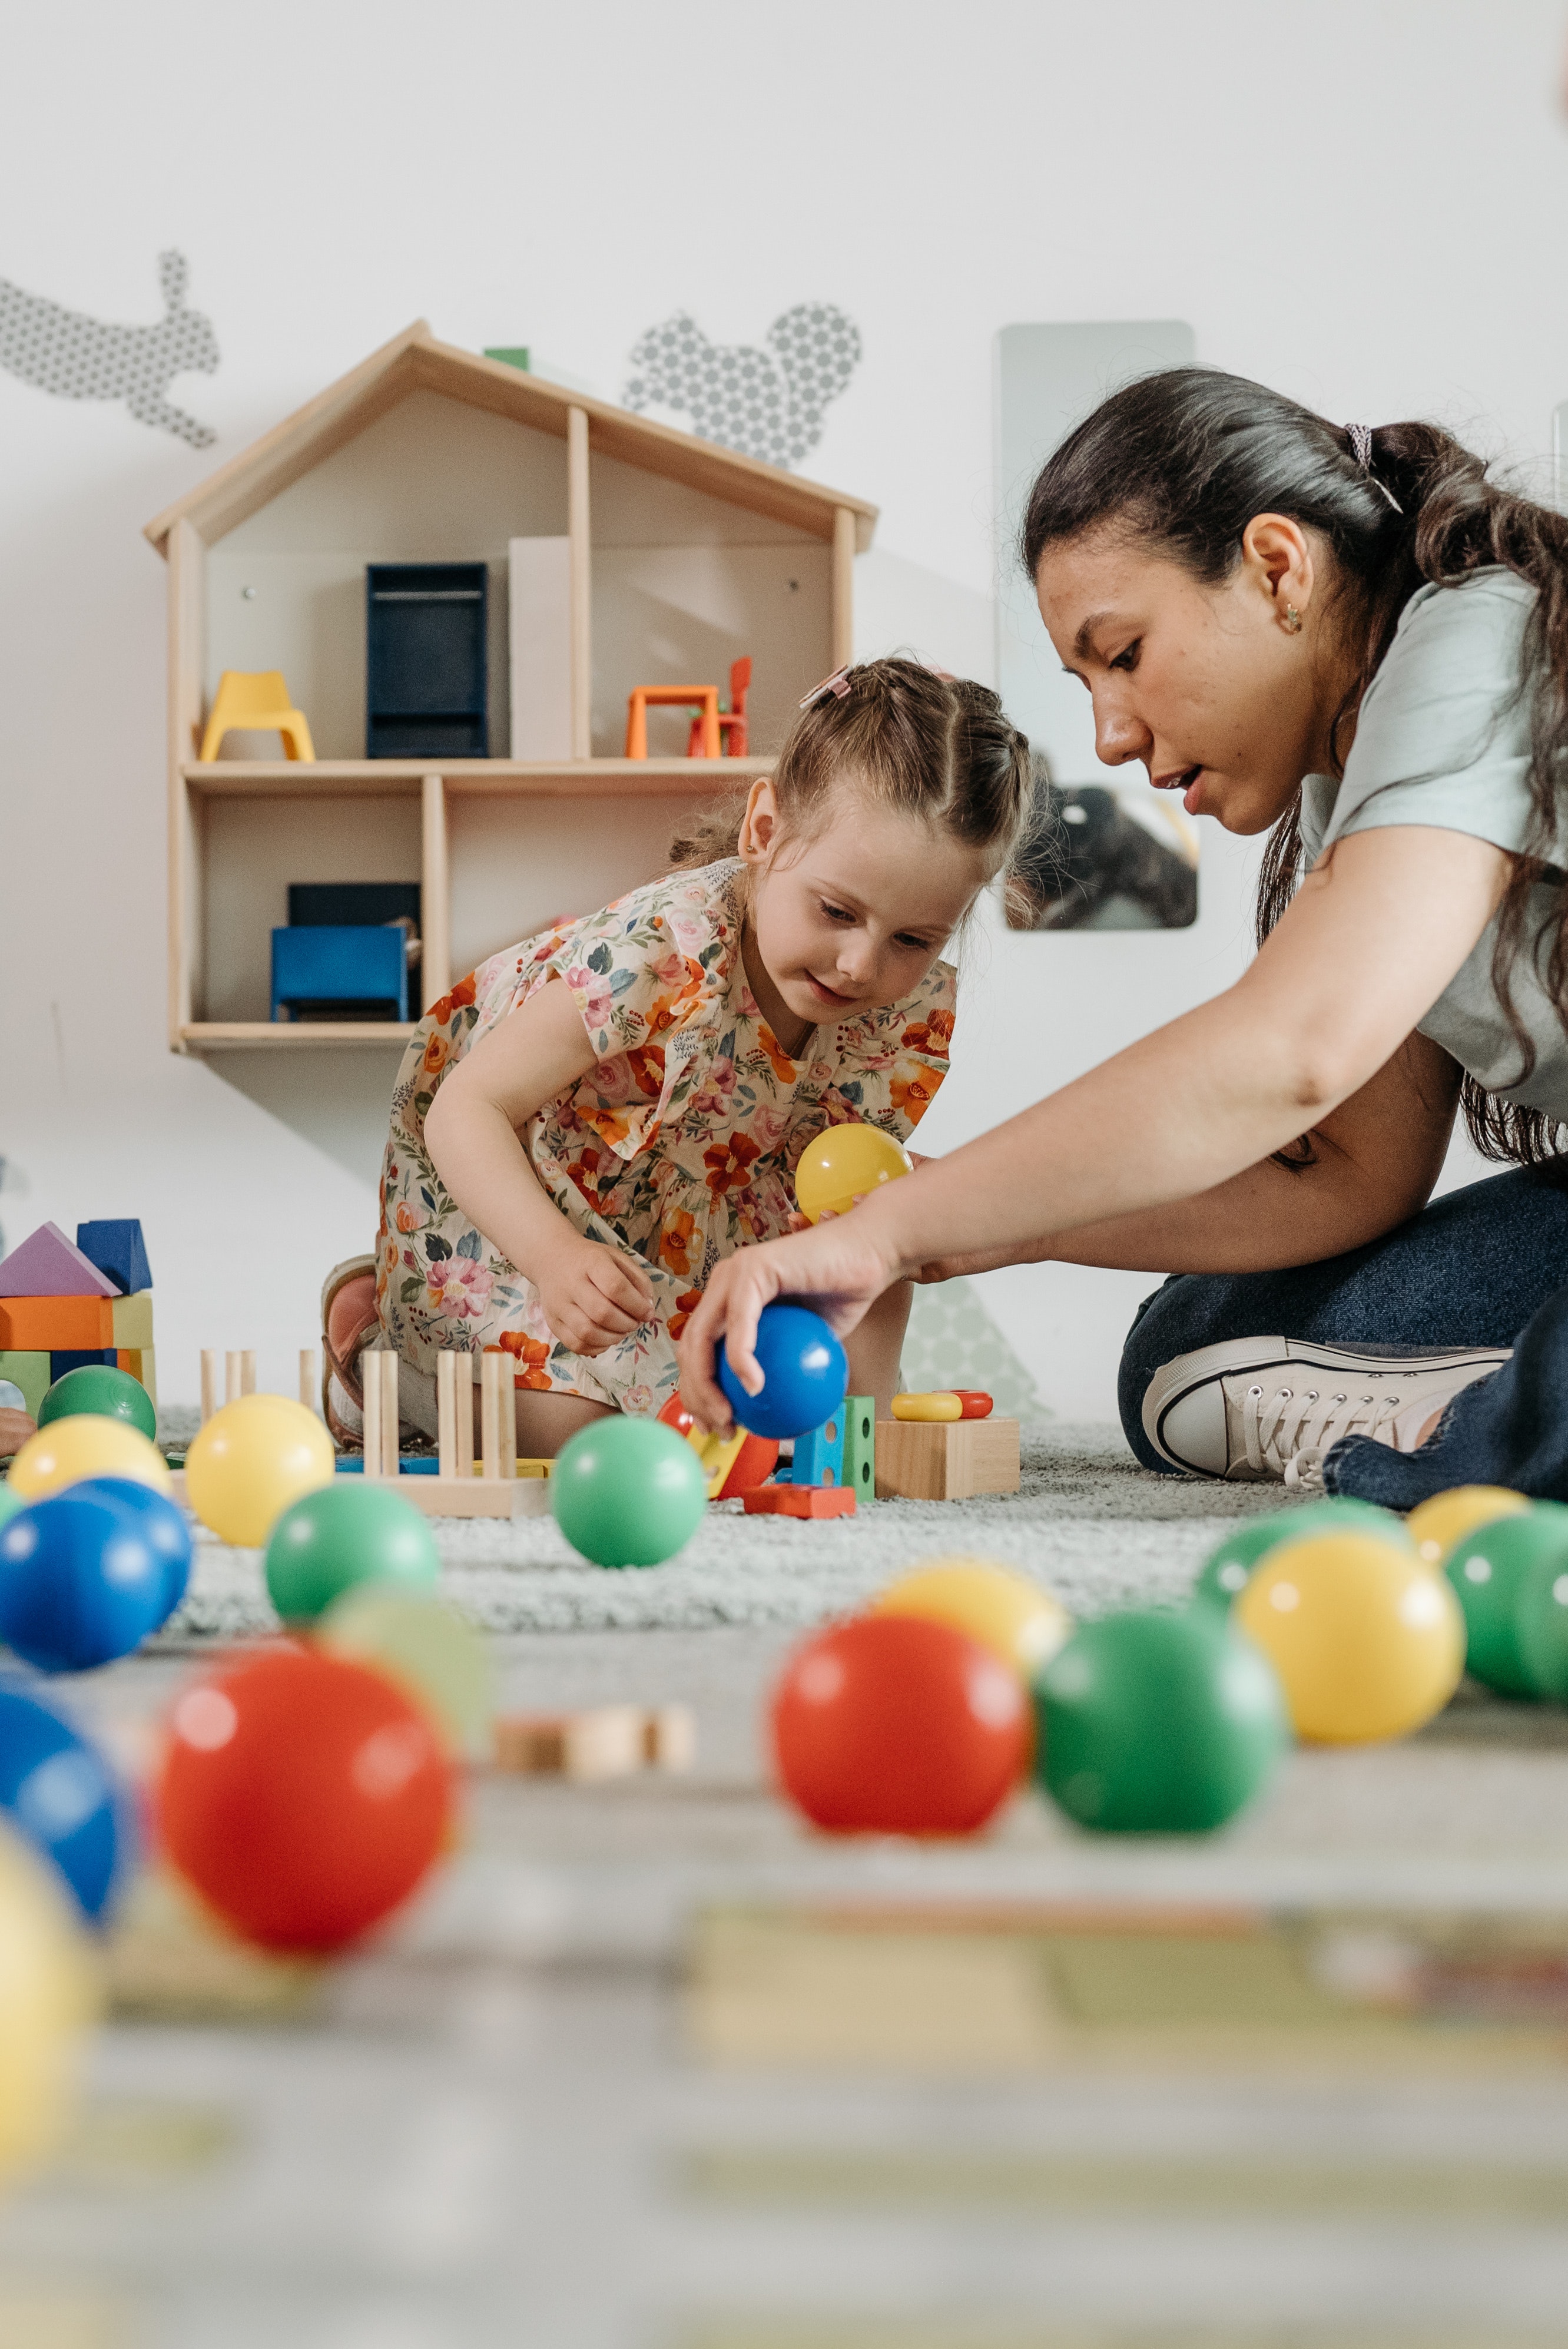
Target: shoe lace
1288,1432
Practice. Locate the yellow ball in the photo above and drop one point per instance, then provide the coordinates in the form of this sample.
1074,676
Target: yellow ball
48,1996
841,1164
1367,1641
84,1446
1439,1525
251,1461
436,1657
1017,1621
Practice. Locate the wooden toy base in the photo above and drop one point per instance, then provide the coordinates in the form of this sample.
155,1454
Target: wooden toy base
473,1496
799,1501
946,1460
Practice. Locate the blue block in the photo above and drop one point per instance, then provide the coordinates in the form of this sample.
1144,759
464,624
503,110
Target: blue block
364,967
820,1456
409,1463
60,1363
117,1249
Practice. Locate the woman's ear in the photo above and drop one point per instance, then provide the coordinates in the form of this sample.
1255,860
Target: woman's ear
1277,554
759,824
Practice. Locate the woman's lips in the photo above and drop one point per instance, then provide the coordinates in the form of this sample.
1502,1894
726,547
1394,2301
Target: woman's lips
1188,780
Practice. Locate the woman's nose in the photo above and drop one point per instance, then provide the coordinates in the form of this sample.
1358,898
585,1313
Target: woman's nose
1118,736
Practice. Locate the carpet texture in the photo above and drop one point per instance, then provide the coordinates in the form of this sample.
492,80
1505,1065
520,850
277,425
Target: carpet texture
1089,1525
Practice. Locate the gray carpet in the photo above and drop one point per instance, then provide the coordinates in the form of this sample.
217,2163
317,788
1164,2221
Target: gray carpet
1089,1525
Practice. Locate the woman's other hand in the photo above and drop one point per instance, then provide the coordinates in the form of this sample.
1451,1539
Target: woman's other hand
592,1297
837,1269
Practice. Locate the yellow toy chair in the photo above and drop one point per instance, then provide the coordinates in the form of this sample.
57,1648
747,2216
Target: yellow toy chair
258,702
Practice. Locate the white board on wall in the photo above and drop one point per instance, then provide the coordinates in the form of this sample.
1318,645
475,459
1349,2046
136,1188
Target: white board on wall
540,638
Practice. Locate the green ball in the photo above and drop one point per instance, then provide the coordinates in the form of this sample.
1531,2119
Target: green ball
100,1389
1492,1570
628,1492
1157,1724
1532,1571
1233,1565
345,1533
10,1503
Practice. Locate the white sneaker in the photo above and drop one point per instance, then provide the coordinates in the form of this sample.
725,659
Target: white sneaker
1271,1407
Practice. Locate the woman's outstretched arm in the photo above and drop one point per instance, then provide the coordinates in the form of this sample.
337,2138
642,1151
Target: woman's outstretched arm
1370,941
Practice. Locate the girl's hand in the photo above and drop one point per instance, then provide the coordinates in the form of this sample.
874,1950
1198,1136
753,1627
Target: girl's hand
15,1427
592,1296
838,1270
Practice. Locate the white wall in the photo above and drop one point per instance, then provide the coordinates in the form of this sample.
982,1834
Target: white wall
1357,203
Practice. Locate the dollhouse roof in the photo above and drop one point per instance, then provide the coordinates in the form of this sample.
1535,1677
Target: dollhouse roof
415,361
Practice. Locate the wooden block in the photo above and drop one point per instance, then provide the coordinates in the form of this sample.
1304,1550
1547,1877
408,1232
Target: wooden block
47,1264
66,1359
133,1319
799,1501
56,1325
119,1252
606,1741
138,1362
473,1496
669,1737
948,1460
859,1472
820,1454
30,1372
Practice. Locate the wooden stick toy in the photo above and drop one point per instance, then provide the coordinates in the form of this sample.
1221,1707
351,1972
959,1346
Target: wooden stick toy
605,1741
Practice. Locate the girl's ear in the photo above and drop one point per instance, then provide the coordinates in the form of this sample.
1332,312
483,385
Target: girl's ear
759,824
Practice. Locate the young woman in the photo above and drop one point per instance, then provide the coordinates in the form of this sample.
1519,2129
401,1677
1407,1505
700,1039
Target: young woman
1355,642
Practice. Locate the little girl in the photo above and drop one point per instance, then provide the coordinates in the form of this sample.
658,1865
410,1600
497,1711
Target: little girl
582,1129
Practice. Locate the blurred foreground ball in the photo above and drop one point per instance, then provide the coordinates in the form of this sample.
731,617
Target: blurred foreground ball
60,1793
252,1458
1230,1567
1157,1724
102,1391
48,1996
1437,1524
1491,1570
86,1445
304,1796
1014,1618
346,1533
894,1725
843,1164
1367,1644
627,1491
805,1374
80,1582
433,1655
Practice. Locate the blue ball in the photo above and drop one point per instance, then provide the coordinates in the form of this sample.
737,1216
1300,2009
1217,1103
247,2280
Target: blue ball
162,1521
80,1582
59,1791
805,1374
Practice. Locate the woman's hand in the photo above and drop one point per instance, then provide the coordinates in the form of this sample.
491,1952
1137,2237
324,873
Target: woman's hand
591,1296
15,1427
840,1267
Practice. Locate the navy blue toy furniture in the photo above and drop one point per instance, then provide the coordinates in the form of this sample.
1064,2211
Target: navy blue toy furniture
342,973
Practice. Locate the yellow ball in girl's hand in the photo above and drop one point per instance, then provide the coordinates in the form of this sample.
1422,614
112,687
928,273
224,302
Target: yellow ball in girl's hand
1368,1642
84,1446
842,1162
1437,1525
1015,1619
251,1461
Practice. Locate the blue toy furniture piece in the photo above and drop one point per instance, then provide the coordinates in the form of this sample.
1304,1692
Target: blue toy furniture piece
345,973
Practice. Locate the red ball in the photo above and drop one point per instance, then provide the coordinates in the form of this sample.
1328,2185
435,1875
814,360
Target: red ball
302,1795
895,1725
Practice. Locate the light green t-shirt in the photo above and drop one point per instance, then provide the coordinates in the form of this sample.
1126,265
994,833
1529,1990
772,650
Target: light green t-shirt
1443,738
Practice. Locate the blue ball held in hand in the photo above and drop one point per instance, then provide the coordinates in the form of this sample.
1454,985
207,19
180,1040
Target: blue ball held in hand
82,1580
805,1374
58,1790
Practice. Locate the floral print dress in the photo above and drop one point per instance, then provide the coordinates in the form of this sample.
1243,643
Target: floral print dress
677,1147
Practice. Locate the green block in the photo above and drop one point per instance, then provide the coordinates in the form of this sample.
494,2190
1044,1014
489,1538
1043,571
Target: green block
133,1321
31,1373
860,1446
509,354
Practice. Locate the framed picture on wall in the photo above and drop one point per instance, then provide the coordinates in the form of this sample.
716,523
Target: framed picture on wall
1100,856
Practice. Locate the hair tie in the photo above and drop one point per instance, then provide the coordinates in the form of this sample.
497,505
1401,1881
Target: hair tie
1361,449
838,685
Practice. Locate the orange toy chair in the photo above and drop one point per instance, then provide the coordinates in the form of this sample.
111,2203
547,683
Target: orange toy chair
731,721
705,726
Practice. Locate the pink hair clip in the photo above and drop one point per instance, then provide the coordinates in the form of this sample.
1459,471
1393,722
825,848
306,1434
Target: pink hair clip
838,685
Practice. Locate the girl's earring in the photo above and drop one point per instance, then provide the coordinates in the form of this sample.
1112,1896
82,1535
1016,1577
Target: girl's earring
1291,620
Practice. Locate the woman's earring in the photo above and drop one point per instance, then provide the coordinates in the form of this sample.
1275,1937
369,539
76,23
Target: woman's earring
1291,620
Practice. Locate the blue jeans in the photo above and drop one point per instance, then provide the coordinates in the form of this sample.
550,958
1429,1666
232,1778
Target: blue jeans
1482,1266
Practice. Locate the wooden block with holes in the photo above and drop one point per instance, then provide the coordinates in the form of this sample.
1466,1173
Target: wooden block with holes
945,1460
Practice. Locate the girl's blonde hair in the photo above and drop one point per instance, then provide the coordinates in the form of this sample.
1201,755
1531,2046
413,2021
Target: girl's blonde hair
941,748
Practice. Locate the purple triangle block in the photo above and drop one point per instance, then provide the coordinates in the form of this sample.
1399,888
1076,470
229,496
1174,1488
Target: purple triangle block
49,1264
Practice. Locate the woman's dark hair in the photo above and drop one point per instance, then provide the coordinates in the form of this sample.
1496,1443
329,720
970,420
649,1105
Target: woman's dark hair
938,747
1184,460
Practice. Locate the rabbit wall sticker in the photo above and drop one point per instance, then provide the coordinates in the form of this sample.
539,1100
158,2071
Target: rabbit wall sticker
769,404
78,358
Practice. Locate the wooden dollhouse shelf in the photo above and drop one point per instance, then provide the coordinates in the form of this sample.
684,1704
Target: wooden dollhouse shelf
469,778
240,1035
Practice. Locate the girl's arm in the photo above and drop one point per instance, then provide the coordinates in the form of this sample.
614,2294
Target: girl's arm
591,1295
1374,1162
1369,942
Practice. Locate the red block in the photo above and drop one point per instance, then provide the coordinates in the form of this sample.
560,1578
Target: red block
800,1501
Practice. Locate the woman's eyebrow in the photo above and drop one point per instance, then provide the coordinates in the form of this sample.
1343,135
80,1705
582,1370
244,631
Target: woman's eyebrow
1084,640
